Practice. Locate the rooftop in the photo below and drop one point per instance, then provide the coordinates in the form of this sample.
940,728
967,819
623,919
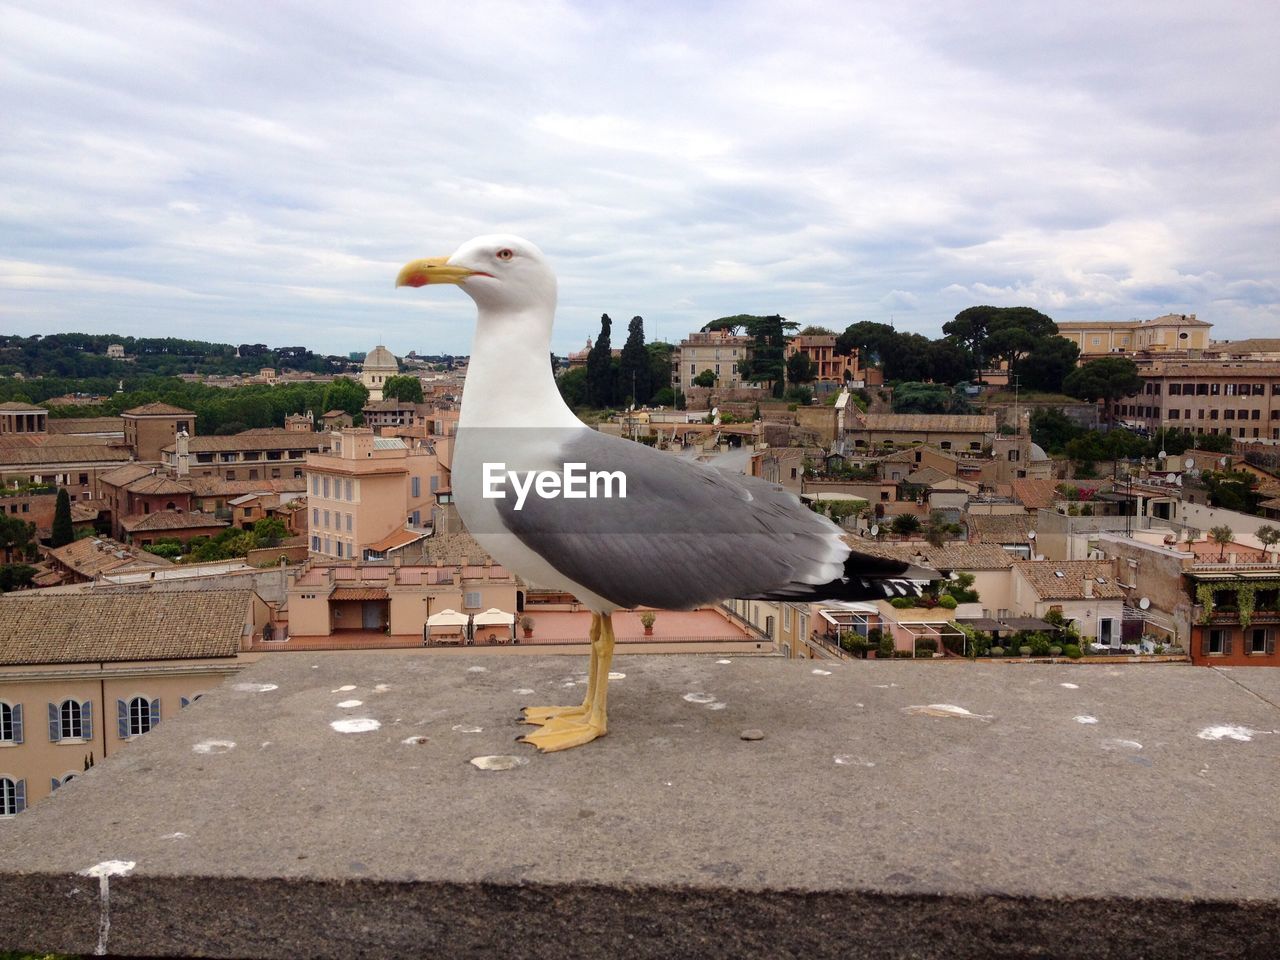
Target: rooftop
1064,579
949,556
170,520
864,823
158,409
96,627
931,422
276,438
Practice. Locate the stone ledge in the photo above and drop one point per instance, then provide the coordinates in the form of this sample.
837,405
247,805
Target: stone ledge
856,827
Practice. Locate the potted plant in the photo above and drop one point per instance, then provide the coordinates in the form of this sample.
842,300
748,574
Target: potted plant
526,624
647,618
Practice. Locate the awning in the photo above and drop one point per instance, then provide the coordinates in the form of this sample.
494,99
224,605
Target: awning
494,617
448,618
358,593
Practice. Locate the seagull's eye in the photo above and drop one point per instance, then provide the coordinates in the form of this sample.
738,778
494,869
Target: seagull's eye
504,254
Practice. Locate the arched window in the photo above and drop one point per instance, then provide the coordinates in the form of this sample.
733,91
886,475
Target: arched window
10,723
13,797
72,720
140,720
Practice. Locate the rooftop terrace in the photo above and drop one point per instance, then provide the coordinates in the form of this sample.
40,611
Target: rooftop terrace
891,809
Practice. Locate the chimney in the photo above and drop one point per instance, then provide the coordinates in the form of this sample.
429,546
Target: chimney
1088,587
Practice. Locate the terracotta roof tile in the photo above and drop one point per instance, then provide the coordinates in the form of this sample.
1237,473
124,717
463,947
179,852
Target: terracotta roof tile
998,528
95,627
170,520
1064,579
158,409
929,422
1035,494
950,556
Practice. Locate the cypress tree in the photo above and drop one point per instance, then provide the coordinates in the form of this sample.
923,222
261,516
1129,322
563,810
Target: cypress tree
62,530
600,385
634,366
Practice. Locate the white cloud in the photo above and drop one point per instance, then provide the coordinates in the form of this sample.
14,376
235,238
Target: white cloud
259,172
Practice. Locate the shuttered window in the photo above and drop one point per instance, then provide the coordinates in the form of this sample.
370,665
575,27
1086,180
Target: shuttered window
13,797
137,716
10,722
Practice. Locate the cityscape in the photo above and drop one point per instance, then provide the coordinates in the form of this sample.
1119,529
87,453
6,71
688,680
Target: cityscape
544,479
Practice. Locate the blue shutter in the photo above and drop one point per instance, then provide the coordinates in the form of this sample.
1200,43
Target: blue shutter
55,783
17,723
86,720
20,796
155,712
122,719
55,723
183,701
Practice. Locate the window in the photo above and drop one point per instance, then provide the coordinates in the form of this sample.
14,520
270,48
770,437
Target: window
1173,414
315,516
315,544
315,485
786,617
1202,390
67,778
84,478
1229,390
1217,642
348,523
1260,641
13,797
1014,455
1175,389
415,487
1213,414
136,717
1255,414
435,484
471,599
347,490
1215,389
326,519
324,486
70,720
10,722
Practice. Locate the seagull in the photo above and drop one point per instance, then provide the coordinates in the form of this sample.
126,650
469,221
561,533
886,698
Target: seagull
642,527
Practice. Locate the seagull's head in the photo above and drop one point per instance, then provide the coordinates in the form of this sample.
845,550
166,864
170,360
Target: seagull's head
500,272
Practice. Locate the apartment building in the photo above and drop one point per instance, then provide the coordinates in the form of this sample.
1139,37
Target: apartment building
1239,398
150,428
961,433
364,488
336,598
266,454
830,367
718,351
1169,333
82,675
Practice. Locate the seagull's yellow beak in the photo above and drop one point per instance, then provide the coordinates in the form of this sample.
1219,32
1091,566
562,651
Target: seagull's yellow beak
419,273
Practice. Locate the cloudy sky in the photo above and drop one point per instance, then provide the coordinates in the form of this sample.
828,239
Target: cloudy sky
259,171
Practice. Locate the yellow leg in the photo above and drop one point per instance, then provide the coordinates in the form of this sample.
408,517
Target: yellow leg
564,732
540,715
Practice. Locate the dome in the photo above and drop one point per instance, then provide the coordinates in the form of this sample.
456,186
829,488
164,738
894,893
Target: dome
380,358
1037,453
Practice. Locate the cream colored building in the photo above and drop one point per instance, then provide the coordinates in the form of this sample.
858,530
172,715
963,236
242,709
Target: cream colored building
718,351
1171,332
365,488
379,364
329,599
84,674
1085,592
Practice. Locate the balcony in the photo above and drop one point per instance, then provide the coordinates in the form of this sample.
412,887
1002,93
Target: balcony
858,826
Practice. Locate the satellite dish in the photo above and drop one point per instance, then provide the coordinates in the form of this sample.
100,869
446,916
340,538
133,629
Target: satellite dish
1222,461
1161,454
1177,481
1189,462
1031,534
875,529
1144,603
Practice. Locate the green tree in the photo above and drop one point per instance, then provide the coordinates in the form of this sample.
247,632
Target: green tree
600,374
905,525
969,330
635,366
1048,363
939,530
707,378
1222,536
1052,429
864,338
573,387
63,532
347,395
403,387
769,342
660,372
800,368
16,576
1106,379
914,397
17,537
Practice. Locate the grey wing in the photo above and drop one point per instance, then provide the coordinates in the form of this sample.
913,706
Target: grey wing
684,534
